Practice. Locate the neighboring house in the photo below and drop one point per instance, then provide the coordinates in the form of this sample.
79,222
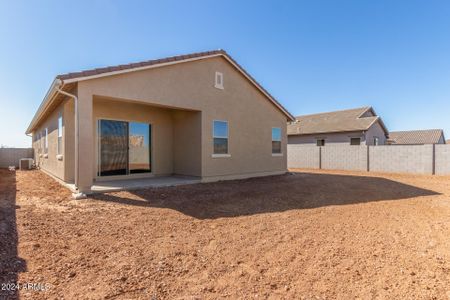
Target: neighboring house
198,115
417,137
359,126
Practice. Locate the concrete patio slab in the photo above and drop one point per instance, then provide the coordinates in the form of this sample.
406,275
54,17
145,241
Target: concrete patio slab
141,183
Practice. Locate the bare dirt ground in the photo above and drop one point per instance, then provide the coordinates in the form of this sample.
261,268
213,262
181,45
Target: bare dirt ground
310,235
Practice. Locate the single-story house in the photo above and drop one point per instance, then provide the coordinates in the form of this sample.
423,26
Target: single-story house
359,126
199,115
417,137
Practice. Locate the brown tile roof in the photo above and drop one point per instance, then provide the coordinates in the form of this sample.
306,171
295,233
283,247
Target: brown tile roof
178,58
146,63
336,121
416,137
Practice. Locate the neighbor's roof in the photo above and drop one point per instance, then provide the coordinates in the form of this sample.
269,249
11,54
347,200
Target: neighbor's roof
71,78
335,121
416,137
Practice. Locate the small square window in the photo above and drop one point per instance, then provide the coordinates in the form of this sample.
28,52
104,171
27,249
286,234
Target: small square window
219,81
355,141
320,142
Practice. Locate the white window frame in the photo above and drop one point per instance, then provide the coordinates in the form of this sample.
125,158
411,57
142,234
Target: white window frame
46,142
42,140
376,141
221,155
218,80
60,136
271,133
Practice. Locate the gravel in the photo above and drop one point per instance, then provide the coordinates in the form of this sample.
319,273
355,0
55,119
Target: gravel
304,235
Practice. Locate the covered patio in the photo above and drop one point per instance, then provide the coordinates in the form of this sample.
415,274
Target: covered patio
133,184
138,183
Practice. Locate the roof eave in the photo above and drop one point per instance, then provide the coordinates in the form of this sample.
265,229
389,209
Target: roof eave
48,99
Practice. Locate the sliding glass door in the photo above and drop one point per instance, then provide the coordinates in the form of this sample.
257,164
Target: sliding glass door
113,148
139,150
124,148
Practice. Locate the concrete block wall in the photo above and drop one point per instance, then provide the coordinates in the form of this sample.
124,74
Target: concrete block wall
344,157
303,156
442,158
402,159
11,156
415,159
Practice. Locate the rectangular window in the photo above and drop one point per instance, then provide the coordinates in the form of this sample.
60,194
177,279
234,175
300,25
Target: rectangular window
376,141
37,142
220,136
41,140
355,141
320,142
46,141
60,134
219,81
276,140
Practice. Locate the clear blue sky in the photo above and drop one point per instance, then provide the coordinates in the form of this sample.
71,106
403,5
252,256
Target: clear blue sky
312,56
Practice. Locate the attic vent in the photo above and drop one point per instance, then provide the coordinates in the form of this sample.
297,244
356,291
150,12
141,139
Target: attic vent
219,81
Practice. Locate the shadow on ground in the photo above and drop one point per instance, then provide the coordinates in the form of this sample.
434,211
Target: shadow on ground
268,194
10,263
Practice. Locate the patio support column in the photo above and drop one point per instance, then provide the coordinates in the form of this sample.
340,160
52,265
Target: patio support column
85,145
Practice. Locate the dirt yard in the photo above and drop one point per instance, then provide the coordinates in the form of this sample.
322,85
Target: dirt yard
309,235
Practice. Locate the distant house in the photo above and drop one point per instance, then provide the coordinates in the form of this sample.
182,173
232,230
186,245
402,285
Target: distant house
417,137
359,126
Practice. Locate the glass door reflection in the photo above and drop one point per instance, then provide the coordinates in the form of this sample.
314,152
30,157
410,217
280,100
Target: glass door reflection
139,148
113,154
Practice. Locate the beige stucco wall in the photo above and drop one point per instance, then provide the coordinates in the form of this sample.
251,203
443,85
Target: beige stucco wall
48,161
181,102
187,146
190,86
69,140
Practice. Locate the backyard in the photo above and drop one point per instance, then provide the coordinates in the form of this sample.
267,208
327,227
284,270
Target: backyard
304,235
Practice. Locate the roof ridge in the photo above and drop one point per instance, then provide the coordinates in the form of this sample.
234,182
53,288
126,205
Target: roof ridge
417,130
88,72
336,111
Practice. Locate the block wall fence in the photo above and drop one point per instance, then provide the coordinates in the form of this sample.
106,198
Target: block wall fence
11,156
414,159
